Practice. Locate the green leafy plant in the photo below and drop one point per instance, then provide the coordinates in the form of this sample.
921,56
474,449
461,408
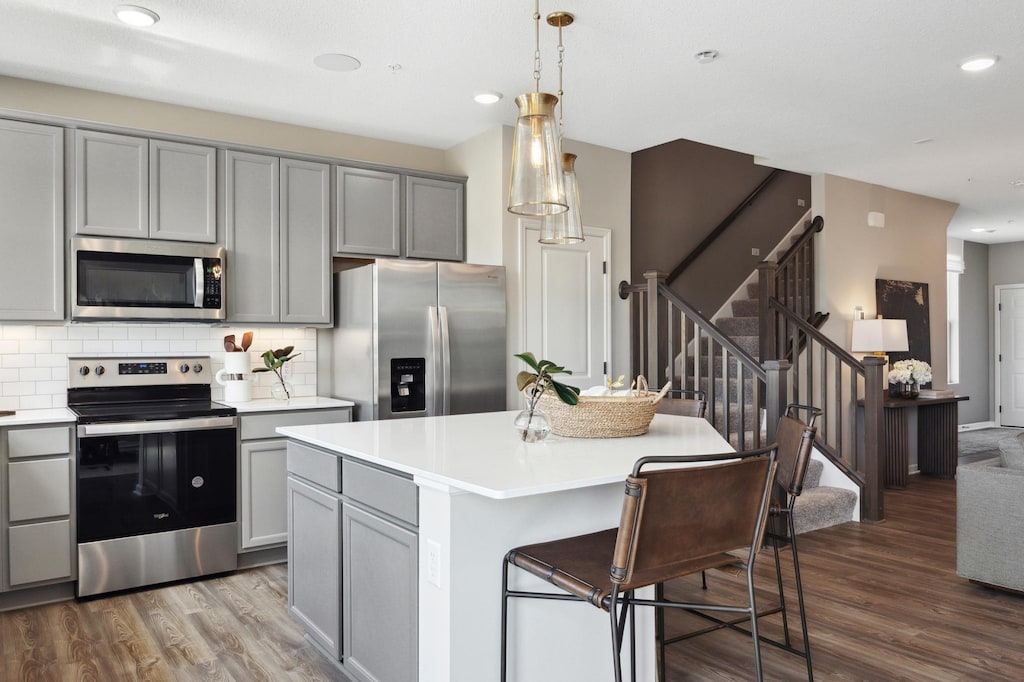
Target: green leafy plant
273,361
534,384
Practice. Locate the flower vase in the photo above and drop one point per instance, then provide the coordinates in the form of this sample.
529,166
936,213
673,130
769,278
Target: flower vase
282,390
910,390
895,390
533,425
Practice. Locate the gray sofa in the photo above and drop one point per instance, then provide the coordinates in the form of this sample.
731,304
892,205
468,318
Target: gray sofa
990,518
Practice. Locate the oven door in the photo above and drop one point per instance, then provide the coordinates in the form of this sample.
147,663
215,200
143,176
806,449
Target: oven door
136,478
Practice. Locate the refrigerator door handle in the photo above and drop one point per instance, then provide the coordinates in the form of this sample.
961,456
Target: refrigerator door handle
436,359
446,360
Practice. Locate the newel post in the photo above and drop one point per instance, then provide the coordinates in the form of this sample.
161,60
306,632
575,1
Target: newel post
767,320
872,504
653,374
776,392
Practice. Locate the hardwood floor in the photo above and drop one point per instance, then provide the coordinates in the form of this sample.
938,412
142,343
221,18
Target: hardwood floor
234,627
884,603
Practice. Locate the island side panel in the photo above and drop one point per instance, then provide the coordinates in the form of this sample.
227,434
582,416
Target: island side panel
460,618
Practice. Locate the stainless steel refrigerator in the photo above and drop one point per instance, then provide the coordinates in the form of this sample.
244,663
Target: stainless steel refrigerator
416,338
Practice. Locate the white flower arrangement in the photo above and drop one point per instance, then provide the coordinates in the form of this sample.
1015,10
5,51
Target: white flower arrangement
908,371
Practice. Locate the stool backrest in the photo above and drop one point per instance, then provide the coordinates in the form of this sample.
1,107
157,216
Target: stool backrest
795,439
674,403
672,517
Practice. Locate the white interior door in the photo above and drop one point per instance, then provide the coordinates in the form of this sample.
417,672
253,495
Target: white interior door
1010,355
567,304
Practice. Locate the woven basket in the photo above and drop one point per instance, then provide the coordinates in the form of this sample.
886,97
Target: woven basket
601,416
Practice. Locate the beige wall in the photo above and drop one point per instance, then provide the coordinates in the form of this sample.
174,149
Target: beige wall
18,95
851,255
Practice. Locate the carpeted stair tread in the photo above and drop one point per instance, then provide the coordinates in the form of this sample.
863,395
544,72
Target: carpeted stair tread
745,307
812,477
823,506
738,326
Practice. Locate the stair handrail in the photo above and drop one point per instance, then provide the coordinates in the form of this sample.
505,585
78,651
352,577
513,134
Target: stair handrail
721,227
816,225
665,328
869,471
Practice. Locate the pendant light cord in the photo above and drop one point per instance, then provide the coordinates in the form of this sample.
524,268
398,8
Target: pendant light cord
561,95
536,46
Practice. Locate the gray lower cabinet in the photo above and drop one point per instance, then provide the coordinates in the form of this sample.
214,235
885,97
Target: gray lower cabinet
353,562
314,563
277,234
37,537
379,213
378,599
262,498
31,221
129,186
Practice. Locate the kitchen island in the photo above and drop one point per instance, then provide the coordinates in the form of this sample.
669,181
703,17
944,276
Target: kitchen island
397,531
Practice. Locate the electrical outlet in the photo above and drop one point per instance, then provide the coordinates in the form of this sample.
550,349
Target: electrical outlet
433,563
755,252
801,202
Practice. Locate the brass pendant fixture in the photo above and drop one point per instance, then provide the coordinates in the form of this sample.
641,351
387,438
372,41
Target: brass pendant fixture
536,185
565,227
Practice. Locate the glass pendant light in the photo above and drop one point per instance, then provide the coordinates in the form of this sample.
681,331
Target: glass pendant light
565,227
536,187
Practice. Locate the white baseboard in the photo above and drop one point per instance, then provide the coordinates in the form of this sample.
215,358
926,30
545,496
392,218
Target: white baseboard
977,425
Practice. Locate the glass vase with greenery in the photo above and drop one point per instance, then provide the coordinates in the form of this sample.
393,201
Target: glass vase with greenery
273,361
532,423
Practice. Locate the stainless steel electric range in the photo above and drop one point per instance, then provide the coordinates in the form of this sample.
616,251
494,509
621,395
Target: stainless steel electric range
155,472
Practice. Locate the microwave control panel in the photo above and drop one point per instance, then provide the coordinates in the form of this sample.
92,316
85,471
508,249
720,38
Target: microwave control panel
212,272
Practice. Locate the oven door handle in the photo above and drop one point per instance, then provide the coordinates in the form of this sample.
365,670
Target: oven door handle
165,426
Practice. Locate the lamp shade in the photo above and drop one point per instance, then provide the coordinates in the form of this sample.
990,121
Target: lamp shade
565,227
536,186
879,336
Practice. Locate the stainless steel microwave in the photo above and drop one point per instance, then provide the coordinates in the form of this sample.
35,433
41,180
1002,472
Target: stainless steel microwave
138,279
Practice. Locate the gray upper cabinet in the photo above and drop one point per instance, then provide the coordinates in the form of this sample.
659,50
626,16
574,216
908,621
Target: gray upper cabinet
305,242
371,220
277,234
31,221
182,194
252,236
111,184
133,187
434,224
368,204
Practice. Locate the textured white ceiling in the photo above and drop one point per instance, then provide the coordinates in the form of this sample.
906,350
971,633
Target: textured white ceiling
808,85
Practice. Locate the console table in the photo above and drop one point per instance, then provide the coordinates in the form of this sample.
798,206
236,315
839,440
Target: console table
937,449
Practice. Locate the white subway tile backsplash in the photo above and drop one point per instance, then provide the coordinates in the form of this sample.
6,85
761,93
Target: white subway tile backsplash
69,347
93,346
34,374
37,402
18,360
33,359
33,346
141,332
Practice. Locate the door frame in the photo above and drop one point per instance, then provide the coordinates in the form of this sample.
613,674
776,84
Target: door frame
530,226
997,349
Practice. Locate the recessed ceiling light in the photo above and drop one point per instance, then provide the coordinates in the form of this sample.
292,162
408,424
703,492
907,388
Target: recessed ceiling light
979,63
983,229
706,56
924,140
336,62
1017,183
487,97
136,16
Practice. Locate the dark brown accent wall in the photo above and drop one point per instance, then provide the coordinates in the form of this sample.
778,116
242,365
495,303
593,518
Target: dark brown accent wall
681,191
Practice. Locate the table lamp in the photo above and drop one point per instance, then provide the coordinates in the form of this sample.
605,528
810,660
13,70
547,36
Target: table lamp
880,336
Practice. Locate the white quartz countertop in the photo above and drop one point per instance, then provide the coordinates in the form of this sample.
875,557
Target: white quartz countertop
483,454
28,417
314,402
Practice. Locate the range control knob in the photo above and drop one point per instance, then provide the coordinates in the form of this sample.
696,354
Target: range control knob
197,368
100,370
183,368
83,370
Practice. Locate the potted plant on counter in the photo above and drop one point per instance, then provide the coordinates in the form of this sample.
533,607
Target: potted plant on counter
532,423
273,361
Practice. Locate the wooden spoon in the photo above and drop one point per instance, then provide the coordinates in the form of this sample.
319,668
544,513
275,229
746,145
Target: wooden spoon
246,341
229,343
